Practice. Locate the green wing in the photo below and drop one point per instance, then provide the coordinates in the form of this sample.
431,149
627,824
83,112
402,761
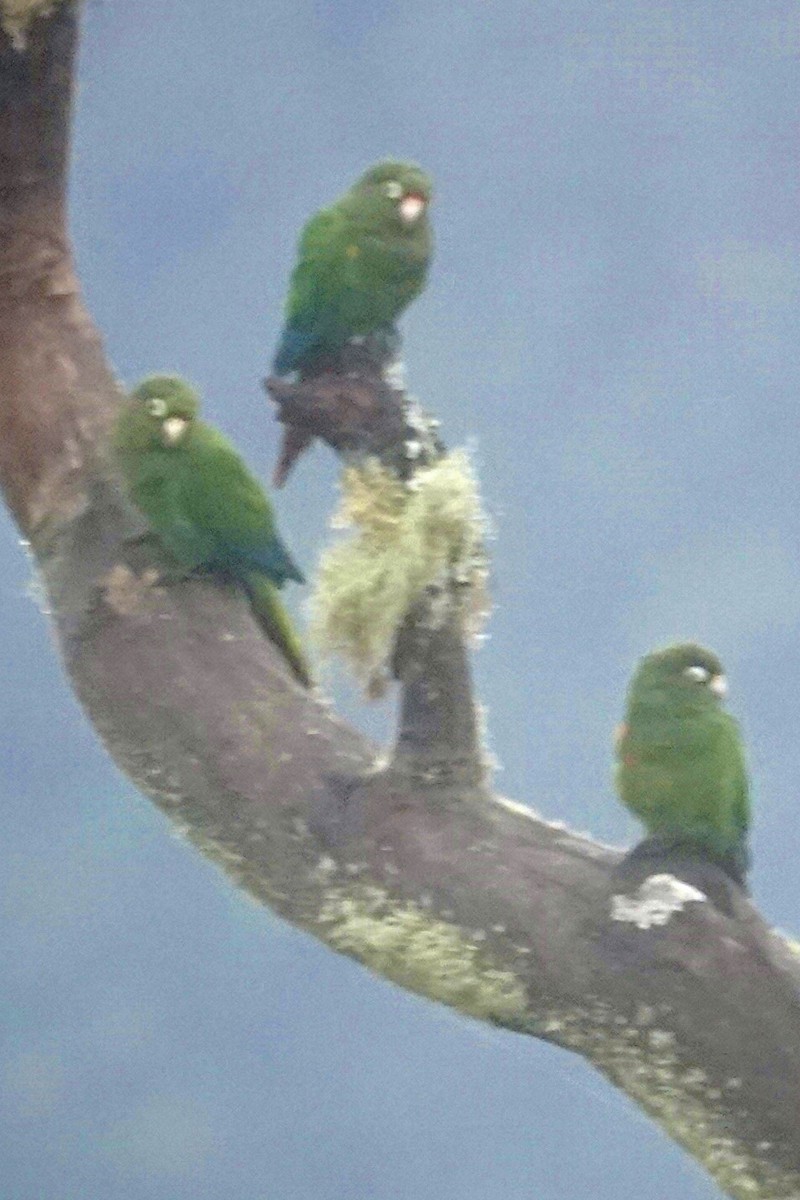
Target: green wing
348,280
157,488
737,768
321,270
222,497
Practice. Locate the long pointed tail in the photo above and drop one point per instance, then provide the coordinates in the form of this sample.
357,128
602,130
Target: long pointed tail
294,442
277,624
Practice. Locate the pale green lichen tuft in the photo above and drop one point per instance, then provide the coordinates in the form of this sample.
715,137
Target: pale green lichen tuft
417,950
406,537
644,1062
16,17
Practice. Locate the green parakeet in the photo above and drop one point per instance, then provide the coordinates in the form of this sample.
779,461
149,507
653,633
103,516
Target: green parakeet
360,263
680,759
202,502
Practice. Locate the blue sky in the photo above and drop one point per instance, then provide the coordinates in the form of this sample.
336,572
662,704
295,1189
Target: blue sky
611,326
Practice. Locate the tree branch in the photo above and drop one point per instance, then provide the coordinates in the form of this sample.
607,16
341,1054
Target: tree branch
414,868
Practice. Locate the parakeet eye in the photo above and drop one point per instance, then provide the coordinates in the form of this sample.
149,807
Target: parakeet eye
156,407
700,674
393,189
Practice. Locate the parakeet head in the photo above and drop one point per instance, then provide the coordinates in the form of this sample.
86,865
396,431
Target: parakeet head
686,676
397,193
159,413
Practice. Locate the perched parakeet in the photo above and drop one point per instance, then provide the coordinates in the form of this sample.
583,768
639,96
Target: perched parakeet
202,502
680,759
360,263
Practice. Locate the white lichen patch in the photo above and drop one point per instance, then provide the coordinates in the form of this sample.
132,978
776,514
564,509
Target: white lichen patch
590,846
677,1096
655,901
521,810
326,866
403,540
127,593
394,375
409,945
36,590
791,944
16,16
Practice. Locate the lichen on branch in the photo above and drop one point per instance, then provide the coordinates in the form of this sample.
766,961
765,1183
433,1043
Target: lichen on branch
405,536
17,15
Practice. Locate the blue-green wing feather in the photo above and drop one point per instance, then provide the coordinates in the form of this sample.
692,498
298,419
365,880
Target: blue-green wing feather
315,290
233,511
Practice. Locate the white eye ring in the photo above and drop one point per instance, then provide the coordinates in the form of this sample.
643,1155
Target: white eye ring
701,674
156,407
393,189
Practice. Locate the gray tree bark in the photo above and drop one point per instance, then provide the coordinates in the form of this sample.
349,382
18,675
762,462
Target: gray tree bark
663,976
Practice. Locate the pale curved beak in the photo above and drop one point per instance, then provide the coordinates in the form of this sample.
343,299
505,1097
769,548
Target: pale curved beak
412,208
719,686
172,430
